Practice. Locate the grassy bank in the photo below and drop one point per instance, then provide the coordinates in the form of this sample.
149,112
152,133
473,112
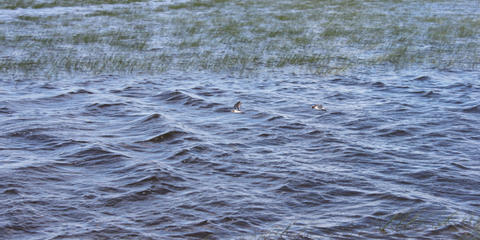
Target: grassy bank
324,37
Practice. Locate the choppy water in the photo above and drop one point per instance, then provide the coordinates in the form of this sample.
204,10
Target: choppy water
163,157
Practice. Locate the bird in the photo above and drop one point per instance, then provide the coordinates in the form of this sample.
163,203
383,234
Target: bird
319,107
236,107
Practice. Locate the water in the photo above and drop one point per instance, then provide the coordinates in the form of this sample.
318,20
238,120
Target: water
116,120
111,157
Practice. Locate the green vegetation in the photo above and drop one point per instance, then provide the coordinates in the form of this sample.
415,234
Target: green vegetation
35,4
322,37
191,5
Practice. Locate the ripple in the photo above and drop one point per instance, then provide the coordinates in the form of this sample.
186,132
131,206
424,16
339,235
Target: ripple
167,136
178,96
293,126
378,84
421,175
6,110
422,78
152,117
393,133
474,109
80,91
164,158
94,156
105,105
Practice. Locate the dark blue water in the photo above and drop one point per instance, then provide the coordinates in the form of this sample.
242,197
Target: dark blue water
132,157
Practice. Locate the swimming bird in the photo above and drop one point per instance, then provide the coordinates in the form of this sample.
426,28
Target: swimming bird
319,107
236,107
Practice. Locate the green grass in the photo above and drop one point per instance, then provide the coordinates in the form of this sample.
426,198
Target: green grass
195,4
104,13
35,4
313,36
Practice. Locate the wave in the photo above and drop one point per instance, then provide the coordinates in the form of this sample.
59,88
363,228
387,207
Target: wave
474,109
151,117
6,110
422,78
94,156
167,136
178,96
394,133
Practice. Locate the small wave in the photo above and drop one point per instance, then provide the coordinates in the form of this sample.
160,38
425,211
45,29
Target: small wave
474,109
108,109
311,199
11,191
340,96
285,189
6,110
172,95
435,134
393,197
185,152
394,133
162,178
424,93
198,235
460,85
67,95
378,84
293,126
421,175
35,135
112,231
350,81
429,94
260,115
167,136
458,165
180,97
210,105
105,105
337,113
48,86
422,78
274,118
209,92
80,91
264,135
344,193
279,140
151,117
315,133
94,156
223,109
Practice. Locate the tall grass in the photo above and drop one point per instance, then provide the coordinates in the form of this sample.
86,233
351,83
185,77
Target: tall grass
323,37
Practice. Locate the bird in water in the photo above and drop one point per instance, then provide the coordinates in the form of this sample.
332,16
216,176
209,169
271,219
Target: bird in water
236,107
319,107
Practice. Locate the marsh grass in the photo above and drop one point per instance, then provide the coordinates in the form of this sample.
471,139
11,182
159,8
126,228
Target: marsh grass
195,4
35,4
321,37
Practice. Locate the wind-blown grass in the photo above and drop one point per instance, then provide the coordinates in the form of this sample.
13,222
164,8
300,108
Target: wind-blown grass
35,4
323,37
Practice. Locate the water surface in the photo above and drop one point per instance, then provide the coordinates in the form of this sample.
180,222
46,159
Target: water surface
116,123
163,157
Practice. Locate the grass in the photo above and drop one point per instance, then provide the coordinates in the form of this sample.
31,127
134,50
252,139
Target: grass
195,4
35,4
322,37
